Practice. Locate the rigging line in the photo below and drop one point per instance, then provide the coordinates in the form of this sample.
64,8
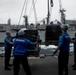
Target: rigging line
21,12
50,12
26,7
60,4
51,5
34,11
30,12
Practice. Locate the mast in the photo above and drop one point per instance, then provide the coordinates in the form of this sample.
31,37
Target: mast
9,21
48,13
50,4
26,20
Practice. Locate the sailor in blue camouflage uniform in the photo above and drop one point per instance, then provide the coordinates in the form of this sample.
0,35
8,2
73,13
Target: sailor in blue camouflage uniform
20,53
8,46
63,46
74,66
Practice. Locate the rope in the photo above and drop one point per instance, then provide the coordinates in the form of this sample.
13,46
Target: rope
34,11
26,7
21,12
50,12
30,12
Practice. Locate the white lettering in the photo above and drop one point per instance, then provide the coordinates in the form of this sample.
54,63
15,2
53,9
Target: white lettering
67,37
20,40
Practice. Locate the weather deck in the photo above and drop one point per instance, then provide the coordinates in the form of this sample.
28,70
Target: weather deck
39,66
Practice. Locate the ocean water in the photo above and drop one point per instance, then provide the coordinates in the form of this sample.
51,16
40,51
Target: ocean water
3,35
42,35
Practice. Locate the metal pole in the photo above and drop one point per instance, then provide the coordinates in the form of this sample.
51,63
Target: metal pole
26,20
48,13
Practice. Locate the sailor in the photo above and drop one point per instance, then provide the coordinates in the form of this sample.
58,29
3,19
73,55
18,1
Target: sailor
63,47
20,53
74,66
8,46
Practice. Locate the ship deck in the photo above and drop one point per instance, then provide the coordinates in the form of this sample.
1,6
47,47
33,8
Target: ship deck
39,66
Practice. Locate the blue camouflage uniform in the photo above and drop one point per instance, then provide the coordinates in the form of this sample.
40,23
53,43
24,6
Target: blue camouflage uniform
20,46
8,48
7,40
74,52
64,42
20,55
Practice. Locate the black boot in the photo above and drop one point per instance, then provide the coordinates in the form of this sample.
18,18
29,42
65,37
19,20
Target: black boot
74,65
7,68
10,64
74,68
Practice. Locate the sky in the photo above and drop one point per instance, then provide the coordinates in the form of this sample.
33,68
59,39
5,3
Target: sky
12,9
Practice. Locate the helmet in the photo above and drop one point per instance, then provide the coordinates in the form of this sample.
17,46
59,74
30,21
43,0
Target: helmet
64,27
22,31
8,32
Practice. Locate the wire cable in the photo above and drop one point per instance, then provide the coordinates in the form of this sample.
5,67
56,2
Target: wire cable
21,12
34,11
50,13
30,12
26,7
